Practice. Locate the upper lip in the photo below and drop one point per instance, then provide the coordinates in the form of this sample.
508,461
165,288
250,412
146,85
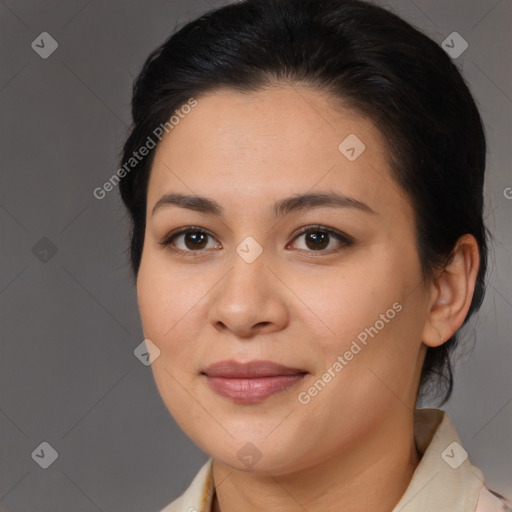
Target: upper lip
252,369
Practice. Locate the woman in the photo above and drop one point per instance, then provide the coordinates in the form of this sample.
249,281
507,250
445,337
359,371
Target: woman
305,188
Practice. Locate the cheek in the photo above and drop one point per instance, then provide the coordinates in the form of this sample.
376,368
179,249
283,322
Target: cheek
166,301
368,314
342,303
166,306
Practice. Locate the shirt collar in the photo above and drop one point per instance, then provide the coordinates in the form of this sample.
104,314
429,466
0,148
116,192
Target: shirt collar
443,480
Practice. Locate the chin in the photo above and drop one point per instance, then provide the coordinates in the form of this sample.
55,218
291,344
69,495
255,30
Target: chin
256,456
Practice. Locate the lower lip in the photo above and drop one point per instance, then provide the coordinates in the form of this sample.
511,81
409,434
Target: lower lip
252,390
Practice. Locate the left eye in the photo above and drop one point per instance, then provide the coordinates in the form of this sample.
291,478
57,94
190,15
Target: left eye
318,238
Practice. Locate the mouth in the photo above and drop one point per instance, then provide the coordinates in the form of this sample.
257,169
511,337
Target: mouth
251,382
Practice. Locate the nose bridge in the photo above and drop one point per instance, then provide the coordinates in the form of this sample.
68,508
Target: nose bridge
247,275
247,298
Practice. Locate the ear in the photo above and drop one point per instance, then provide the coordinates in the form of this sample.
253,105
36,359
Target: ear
452,292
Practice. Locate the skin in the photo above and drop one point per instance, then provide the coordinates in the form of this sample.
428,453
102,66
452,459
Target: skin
293,305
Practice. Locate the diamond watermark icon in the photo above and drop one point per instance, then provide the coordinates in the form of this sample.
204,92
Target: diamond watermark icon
454,45
146,352
454,455
44,249
249,249
44,45
45,455
352,147
249,455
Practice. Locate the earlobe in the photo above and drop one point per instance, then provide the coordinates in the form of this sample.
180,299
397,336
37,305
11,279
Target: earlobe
452,292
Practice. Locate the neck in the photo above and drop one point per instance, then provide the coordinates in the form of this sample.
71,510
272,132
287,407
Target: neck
369,477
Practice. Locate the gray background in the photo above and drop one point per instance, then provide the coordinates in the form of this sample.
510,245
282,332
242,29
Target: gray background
69,320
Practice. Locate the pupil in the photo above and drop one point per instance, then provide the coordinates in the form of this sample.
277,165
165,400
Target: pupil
319,238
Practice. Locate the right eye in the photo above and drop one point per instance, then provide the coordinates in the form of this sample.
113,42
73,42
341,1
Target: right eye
186,240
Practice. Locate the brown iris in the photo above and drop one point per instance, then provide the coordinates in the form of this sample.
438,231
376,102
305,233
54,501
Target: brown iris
319,239
198,240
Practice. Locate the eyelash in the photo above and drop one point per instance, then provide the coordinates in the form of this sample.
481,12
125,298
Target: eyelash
341,237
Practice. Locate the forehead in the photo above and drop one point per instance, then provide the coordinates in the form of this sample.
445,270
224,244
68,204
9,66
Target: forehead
270,143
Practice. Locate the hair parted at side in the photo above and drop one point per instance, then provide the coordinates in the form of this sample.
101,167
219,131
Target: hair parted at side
373,62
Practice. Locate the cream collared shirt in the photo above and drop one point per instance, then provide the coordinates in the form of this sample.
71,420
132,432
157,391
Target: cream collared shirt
444,480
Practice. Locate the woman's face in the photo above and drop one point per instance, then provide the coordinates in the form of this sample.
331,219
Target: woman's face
342,305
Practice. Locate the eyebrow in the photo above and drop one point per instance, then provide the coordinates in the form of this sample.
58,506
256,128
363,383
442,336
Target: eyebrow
299,202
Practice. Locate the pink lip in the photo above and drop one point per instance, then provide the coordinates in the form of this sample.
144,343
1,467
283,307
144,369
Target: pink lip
251,382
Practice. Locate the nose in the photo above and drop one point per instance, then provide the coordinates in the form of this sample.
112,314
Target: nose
249,300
